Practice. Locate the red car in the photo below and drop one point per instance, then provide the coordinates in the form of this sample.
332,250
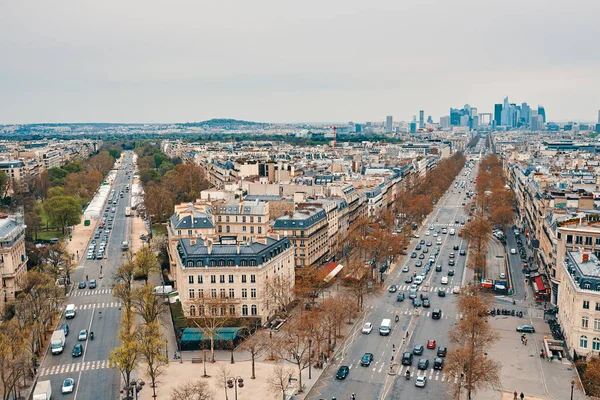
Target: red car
431,344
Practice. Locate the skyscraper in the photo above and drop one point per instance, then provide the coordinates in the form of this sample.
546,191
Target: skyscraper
429,120
498,114
421,119
525,111
388,124
542,113
413,127
445,121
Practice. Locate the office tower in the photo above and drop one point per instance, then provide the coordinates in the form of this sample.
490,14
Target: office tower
542,113
498,114
421,119
413,127
505,120
473,112
464,120
445,121
455,115
525,111
357,128
388,124
429,120
475,122
599,116
533,120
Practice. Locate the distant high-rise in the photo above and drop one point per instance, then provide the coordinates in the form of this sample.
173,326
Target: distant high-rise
388,124
413,127
533,120
542,113
498,114
525,111
421,119
464,120
455,115
445,121
429,120
357,128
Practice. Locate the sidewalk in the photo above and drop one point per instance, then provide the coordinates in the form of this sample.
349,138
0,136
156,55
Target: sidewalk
81,236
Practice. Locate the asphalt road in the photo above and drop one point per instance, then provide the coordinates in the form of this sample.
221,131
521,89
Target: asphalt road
93,378
374,382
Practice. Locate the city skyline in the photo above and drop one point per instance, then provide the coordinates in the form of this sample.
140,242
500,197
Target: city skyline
270,62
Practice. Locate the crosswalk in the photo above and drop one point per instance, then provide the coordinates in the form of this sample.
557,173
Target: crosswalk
422,288
446,225
74,367
97,292
92,306
432,374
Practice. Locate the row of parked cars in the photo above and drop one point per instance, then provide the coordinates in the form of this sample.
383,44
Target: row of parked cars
97,247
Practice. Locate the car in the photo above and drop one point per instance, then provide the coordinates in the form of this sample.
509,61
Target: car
425,250
416,302
421,381
451,262
342,372
77,350
67,386
413,287
423,363
463,252
451,272
419,279
435,234
81,285
438,363
407,358
418,247
92,284
431,344
400,297
428,244
526,329
444,231
426,303
418,349
419,263
422,241
413,255
427,233
421,256
441,351
431,227
502,275
444,280
455,247
405,269
513,251
456,290
366,360
451,255
412,294
408,279
367,328
65,328
392,289
438,268
83,335
436,313
441,293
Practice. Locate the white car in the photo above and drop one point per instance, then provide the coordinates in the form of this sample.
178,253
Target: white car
444,280
419,280
413,288
435,234
456,290
68,385
427,233
367,328
421,381
502,275
513,251
83,335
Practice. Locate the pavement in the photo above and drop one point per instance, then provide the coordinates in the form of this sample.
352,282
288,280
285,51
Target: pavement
96,310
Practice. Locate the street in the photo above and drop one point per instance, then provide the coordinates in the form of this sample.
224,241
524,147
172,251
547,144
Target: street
97,311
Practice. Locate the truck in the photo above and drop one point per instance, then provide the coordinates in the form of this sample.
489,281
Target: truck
127,211
385,327
42,391
57,342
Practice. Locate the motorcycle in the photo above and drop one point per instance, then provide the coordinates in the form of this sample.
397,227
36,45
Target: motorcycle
520,314
407,375
91,335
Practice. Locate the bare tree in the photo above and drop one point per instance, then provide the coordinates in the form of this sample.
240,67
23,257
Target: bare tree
213,314
279,380
295,345
256,345
279,292
147,304
152,348
223,375
193,390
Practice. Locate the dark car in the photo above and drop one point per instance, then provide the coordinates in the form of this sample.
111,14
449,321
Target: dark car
451,272
418,247
455,247
438,363
366,360
392,288
451,262
526,329
441,352
418,349
92,284
342,372
423,296
425,250
421,256
442,293
438,268
423,363
422,241
407,358
65,328
400,297
426,303
436,313
81,285
417,302
408,279
77,350
413,255
463,252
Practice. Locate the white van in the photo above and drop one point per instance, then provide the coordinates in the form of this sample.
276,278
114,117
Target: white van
163,290
70,311
385,327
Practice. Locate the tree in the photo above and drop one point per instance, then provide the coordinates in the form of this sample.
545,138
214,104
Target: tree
151,347
147,304
57,262
15,359
279,380
125,358
295,346
357,279
212,316
145,263
159,201
62,211
125,272
224,374
193,390
34,223
278,290
4,184
590,377
255,344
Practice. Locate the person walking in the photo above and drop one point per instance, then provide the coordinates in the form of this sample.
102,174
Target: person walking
515,395
522,396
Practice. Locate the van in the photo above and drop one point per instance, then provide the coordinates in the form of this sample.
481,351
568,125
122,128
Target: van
70,311
163,290
385,327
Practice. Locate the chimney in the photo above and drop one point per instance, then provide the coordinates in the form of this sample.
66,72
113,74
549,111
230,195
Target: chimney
238,247
192,241
585,257
209,245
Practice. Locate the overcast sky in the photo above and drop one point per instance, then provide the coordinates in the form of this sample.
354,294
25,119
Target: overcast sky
288,61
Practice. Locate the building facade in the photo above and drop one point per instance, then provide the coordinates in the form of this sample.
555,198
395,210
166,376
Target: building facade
243,220
13,259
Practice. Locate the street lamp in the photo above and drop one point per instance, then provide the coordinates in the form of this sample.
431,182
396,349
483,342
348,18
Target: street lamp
135,385
234,382
572,386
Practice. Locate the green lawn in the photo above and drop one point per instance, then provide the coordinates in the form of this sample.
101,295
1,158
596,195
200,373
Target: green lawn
47,235
159,230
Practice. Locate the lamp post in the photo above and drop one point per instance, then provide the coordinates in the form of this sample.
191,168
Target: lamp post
572,386
234,382
135,385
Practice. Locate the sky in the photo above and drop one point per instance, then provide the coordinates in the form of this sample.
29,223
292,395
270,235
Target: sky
291,61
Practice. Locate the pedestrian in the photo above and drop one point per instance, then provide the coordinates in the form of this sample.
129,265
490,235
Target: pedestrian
86,278
515,395
522,396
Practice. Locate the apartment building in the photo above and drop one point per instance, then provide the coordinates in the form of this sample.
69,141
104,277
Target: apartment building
15,172
13,259
308,231
242,219
234,279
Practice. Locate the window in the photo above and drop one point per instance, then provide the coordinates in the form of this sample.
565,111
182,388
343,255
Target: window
230,263
244,293
222,278
228,229
191,293
251,229
586,304
189,232
245,310
596,324
222,293
213,279
597,240
584,322
227,218
254,310
220,218
230,278
587,286
253,293
259,220
583,342
596,344
252,220
190,263
578,239
243,278
193,310
213,293
199,264
223,310
569,239
200,280
588,240
220,228
232,293
244,228
244,219
252,278
260,229
191,279
200,293
213,311
200,310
